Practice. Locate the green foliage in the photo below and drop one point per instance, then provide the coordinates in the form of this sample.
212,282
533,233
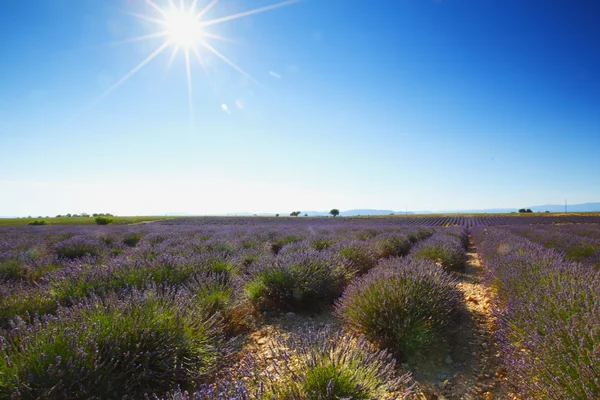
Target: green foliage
579,253
321,243
300,281
317,365
103,220
39,222
392,245
278,244
131,239
451,260
335,212
405,305
111,348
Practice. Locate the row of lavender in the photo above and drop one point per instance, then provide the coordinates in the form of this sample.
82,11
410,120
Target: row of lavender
548,309
579,243
107,311
498,220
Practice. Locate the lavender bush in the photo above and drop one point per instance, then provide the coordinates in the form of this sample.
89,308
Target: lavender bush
404,304
312,365
392,245
111,347
297,281
549,314
359,256
574,247
444,248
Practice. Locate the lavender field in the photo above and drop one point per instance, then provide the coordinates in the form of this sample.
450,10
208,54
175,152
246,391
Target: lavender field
302,308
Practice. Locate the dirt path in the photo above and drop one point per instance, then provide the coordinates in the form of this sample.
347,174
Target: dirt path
476,372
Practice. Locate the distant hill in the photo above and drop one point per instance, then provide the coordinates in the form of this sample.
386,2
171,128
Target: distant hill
585,207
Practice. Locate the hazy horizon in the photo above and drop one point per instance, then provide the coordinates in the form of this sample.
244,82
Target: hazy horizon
418,105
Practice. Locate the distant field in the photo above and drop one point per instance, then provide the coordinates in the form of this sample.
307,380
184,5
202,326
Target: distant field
80,220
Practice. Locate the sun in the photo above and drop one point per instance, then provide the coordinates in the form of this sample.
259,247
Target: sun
184,28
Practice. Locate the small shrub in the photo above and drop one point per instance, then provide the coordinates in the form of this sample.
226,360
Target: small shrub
131,239
323,365
78,247
419,234
359,256
443,249
103,220
321,243
392,245
39,222
111,348
297,281
278,244
404,305
25,303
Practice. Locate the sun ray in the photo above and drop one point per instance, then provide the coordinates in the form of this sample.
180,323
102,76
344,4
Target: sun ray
140,38
231,64
172,58
193,6
218,37
201,61
189,82
249,12
206,9
157,8
147,18
134,70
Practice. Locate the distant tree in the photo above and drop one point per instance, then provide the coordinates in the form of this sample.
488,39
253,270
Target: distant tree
547,211
306,215
335,212
522,210
277,215
103,220
295,213
84,215
68,215
40,222
94,215
528,210
58,216
29,216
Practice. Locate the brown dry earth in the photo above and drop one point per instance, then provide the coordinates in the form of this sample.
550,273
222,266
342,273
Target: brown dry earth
469,370
475,369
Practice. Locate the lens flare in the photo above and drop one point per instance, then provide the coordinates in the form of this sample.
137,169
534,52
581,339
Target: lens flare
185,28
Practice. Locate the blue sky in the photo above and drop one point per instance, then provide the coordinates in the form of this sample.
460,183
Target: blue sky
429,105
